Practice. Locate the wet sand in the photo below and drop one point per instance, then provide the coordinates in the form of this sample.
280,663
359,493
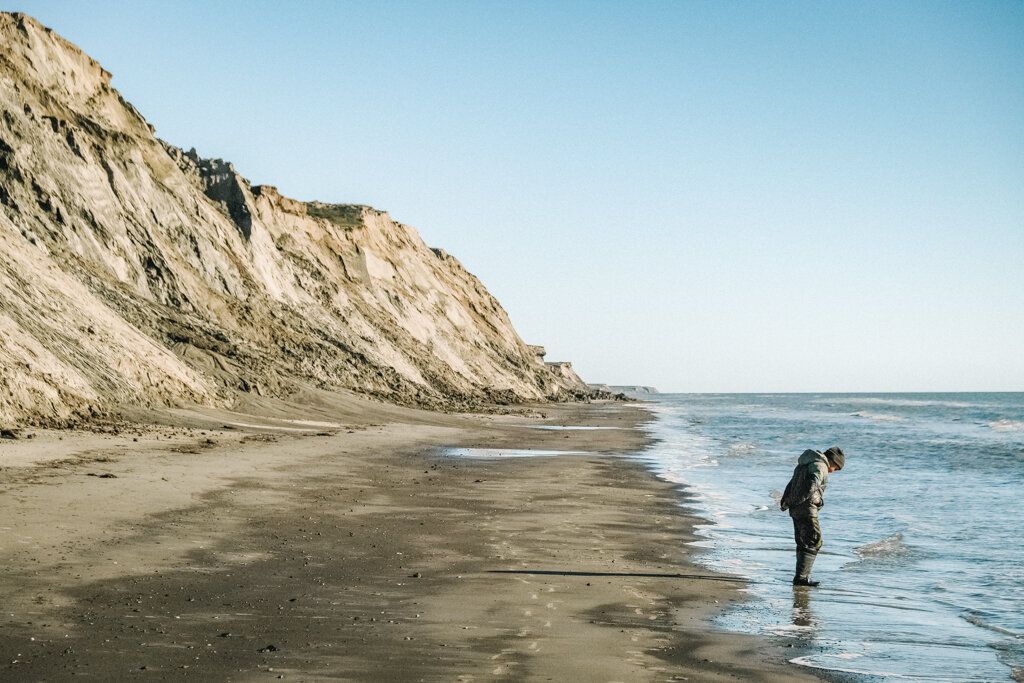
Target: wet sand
331,540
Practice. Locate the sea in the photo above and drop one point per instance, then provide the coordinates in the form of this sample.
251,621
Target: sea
922,569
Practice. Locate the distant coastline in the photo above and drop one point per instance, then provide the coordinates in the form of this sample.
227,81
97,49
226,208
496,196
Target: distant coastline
628,389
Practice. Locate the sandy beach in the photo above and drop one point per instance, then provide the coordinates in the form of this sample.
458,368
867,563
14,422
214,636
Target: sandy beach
332,539
518,341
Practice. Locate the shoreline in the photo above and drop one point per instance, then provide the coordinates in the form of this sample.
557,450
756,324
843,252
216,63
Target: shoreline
334,540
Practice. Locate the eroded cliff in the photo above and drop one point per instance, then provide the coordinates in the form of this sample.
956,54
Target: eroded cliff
134,272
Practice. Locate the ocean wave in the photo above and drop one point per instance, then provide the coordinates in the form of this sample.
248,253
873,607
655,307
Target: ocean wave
891,546
878,417
809,662
884,587
905,402
1007,425
741,448
975,618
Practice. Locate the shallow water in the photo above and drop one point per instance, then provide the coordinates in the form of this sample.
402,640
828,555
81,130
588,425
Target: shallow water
923,565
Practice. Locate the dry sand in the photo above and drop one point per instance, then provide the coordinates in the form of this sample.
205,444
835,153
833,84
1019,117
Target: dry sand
329,539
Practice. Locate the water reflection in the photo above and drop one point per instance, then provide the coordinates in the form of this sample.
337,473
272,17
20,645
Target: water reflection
804,618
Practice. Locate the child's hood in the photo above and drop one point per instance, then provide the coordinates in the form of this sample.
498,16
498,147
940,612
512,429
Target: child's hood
809,456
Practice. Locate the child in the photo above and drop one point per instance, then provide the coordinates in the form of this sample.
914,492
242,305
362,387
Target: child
803,497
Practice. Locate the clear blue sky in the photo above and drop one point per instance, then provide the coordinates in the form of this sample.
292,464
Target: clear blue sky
703,196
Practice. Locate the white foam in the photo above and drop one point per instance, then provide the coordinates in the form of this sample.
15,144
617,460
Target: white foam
906,402
887,547
788,630
808,662
1007,425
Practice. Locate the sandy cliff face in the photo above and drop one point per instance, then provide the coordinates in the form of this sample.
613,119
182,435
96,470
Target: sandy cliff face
132,271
